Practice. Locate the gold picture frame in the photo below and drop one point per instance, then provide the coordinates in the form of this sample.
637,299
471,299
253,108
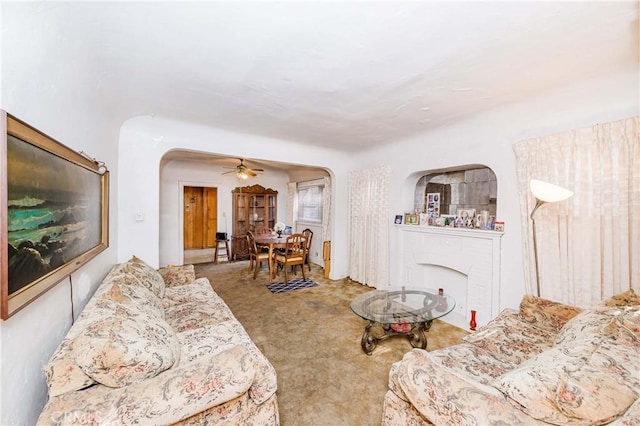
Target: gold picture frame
411,219
54,211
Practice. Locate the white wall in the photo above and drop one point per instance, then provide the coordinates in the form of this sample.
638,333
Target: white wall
175,175
488,139
36,89
145,140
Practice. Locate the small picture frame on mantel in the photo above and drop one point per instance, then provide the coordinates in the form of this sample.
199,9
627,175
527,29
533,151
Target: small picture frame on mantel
411,219
398,219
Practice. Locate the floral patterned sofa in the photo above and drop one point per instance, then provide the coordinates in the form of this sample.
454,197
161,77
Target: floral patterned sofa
546,363
158,347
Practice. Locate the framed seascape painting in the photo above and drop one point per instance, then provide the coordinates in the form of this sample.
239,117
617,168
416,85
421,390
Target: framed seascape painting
53,212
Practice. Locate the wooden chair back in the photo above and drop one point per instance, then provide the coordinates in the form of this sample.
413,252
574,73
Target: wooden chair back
308,237
296,246
261,230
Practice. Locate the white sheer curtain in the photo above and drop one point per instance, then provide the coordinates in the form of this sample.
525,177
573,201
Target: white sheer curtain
369,226
291,203
326,209
588,245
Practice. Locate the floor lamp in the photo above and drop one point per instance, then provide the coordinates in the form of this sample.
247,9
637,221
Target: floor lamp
545,193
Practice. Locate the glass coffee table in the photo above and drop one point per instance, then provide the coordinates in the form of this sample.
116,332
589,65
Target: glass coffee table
400,311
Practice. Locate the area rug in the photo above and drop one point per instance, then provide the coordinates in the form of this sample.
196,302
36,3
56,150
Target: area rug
294,284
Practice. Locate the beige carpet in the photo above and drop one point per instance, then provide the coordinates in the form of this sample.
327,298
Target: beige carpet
312,338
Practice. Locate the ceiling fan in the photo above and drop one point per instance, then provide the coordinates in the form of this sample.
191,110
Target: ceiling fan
242,171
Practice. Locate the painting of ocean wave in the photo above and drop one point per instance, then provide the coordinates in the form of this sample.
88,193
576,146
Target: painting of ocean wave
54,212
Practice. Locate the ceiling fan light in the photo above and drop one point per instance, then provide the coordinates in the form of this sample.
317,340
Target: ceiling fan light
242,175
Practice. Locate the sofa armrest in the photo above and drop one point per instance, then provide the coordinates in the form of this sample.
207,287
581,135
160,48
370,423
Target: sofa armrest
442,397
177,275
174,395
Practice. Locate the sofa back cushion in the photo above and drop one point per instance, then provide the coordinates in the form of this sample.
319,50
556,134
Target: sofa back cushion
622,323
146,275
545,313
626,298
126,347
134,297
510,339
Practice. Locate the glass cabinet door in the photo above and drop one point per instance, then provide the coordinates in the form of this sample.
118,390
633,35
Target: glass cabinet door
241,213
271,210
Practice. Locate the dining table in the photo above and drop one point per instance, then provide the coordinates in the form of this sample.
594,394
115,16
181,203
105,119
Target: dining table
272,242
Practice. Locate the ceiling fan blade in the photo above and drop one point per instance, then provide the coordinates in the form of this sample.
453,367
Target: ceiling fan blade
258,170
230,171
250,172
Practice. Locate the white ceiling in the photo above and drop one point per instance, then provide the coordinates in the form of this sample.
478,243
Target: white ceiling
346,75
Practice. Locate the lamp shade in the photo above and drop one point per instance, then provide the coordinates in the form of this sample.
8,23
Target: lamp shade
548,192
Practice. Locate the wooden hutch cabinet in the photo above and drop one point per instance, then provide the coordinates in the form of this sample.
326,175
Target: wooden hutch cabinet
253,207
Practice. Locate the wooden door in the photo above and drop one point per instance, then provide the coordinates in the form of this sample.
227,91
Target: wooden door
210,210
200,217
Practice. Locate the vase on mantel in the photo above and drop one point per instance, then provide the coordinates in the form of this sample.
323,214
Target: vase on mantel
472,323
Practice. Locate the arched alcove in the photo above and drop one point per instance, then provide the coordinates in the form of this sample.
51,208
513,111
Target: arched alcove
446,192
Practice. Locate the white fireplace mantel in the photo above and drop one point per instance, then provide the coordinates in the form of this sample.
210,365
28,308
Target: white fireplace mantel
463,262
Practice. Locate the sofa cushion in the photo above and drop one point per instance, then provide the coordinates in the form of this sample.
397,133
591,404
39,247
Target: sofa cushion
212,339
470,363
199,290
123,348
584,382
545,313
626,298
177,275
146,275
133,297
192,315
510,339
616,322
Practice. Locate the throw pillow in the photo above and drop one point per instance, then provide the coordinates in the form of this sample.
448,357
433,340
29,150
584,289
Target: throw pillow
119,350
148,276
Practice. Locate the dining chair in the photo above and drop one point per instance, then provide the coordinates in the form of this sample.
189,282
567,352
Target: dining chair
308,236
294,255
255,255
262,230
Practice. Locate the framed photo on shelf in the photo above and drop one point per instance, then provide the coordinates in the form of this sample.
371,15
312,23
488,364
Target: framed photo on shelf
398,219
468,217
498,226
411,219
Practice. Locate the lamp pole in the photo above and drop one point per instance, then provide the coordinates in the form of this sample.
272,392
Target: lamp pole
535,244
544,192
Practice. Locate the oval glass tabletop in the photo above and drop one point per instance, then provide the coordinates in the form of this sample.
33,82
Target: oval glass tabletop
402,305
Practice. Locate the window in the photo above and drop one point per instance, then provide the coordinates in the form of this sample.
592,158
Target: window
310,203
